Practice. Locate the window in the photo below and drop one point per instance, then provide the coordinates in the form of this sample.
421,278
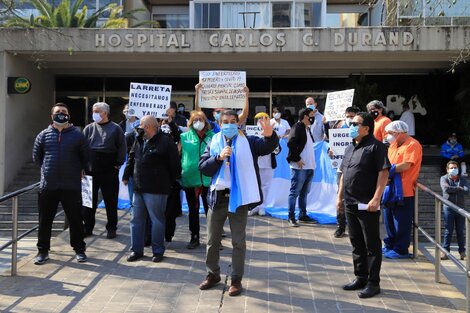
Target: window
245,15
281,14
307,14
170,16
207,15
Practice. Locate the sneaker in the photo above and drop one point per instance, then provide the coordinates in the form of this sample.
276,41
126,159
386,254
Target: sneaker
41,258
193,244
292,223
462,255
339,232
465,174
444,256
81,257
111,234
306,219
385,250
253,212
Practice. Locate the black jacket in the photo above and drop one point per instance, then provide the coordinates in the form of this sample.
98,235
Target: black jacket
209,165
62,156
296,142
155,169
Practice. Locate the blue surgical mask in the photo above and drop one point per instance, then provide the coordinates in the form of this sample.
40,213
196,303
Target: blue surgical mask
312,107
353,131
229,130
217,116
454,172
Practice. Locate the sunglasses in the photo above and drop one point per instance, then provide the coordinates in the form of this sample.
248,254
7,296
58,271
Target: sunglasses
355,123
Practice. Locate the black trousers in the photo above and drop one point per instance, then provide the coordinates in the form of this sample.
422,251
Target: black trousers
364,233
108,181
71,200
173,209
192,197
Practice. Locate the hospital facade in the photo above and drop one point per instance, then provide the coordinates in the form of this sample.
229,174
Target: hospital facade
289,50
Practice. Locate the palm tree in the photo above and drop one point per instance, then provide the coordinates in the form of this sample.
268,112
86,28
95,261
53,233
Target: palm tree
67,14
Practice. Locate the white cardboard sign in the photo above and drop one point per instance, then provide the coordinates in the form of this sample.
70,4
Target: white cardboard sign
149,99
336,104
222,89
339,140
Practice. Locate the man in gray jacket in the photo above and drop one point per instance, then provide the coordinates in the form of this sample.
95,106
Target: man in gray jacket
62,152
107,154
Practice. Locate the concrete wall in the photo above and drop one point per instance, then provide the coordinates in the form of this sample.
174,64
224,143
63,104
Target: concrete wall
22,116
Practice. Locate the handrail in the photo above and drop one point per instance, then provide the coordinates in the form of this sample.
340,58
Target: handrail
436,241
14,220
18,192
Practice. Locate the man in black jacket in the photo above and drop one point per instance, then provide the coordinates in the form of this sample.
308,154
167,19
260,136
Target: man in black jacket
62,152
235,156
154,164
301,158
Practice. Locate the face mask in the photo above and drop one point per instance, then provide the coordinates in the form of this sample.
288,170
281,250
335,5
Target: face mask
390,138
312,107
140,132
165,129
311,120
374,114
97,117
60,119
181,109
452,141
229,130
353,131
454,172
277,115
217,116
348,121
198,125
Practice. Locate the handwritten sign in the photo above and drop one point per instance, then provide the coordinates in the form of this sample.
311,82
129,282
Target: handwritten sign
87,191
222,89
336,104
339,140
149,99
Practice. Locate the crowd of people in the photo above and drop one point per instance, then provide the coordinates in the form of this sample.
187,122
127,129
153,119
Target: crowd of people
213,160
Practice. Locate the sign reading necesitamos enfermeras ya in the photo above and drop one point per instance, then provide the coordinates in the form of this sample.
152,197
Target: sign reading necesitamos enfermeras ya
239,39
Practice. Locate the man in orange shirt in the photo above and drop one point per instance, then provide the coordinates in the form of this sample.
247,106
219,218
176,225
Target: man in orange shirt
405,153
378,111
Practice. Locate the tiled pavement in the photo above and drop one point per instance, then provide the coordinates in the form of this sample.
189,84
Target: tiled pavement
287,270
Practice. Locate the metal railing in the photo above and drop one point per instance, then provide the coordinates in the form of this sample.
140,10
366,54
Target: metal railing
14,220
438,201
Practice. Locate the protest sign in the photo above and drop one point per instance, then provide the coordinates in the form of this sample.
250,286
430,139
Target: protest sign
336,104
339,140
149,99
222,89
87,191
255,130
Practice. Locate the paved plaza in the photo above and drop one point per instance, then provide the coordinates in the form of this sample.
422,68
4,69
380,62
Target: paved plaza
287,270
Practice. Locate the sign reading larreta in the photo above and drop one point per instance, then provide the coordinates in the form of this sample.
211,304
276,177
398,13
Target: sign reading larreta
19,85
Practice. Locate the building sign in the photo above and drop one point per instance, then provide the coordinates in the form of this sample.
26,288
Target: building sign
208,40
339,140
149,99
336,103
19,85
222,89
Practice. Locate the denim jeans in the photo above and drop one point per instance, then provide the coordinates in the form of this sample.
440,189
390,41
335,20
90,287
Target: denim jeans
452,218
300,182
130,189
155,205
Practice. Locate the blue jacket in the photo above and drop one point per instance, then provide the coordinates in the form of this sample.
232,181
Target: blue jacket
393,193
448,150
62,157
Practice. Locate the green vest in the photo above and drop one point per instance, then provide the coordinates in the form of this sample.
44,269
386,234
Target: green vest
192,147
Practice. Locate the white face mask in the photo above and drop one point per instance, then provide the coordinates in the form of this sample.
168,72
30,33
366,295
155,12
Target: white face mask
390,138
198,125
453,172
97,117
277,115
165,128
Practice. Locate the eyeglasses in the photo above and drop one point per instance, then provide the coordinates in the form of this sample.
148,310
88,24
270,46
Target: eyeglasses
355,124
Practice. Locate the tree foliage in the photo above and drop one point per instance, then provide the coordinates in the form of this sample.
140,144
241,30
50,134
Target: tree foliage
68,14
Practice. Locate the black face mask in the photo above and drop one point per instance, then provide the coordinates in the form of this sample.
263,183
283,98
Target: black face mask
140,132
60,118
374,114
311,120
